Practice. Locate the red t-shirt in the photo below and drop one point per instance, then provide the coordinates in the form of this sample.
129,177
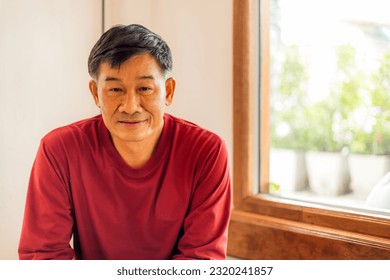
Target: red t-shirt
176,206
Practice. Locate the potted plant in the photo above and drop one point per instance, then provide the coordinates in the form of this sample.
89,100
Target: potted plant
369,160
287,157
288,125
327,160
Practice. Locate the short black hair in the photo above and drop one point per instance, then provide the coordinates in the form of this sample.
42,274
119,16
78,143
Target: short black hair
122,42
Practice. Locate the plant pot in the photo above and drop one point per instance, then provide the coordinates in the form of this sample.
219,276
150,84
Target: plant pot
288,169
366,171
327,173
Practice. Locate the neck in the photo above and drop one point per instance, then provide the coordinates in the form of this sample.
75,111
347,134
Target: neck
136,154
133,156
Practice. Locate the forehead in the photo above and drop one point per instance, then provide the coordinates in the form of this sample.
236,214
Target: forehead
143,64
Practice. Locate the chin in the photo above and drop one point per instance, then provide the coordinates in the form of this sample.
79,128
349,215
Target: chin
126,137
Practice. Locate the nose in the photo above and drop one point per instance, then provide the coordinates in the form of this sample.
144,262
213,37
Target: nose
130,103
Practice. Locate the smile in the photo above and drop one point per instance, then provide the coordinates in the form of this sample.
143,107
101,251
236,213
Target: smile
135,123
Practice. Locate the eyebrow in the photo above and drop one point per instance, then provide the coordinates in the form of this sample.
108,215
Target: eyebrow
108,78
144,77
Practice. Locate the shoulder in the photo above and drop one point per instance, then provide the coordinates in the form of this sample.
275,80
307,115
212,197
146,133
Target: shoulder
188,131
75,132
194,140
200,151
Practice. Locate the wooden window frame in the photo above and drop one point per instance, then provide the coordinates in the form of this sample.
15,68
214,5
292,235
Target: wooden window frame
266,227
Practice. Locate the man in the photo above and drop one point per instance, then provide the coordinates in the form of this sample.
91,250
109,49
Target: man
133,182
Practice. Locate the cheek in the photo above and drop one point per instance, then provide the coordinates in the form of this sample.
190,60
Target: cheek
153,103
108,105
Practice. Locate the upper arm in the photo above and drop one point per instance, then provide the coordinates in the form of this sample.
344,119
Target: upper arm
48,222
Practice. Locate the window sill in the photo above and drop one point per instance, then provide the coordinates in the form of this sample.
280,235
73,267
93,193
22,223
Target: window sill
263,227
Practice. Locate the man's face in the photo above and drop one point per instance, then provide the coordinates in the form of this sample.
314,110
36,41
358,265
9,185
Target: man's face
132,98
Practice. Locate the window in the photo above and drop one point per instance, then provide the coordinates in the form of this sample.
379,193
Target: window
265,226
330,105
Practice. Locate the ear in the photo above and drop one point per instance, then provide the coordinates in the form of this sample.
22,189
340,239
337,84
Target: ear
170,85
94,91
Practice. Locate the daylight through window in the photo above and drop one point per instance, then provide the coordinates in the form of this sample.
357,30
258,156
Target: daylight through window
330,102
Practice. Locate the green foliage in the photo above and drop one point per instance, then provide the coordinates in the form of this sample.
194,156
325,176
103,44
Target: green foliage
321,137
356,113
373,136
273,187
288,109
346,96
293,76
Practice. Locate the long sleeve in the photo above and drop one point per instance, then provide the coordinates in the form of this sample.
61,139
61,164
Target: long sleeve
206,223
79,184
48,222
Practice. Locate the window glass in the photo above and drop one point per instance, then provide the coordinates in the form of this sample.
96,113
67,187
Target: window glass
330,102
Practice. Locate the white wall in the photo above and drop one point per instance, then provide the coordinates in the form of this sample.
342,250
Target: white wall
44,46
128,11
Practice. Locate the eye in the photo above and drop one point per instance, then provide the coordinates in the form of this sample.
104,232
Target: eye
145,90
115,89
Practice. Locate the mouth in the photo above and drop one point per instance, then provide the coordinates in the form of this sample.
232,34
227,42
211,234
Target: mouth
131,123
